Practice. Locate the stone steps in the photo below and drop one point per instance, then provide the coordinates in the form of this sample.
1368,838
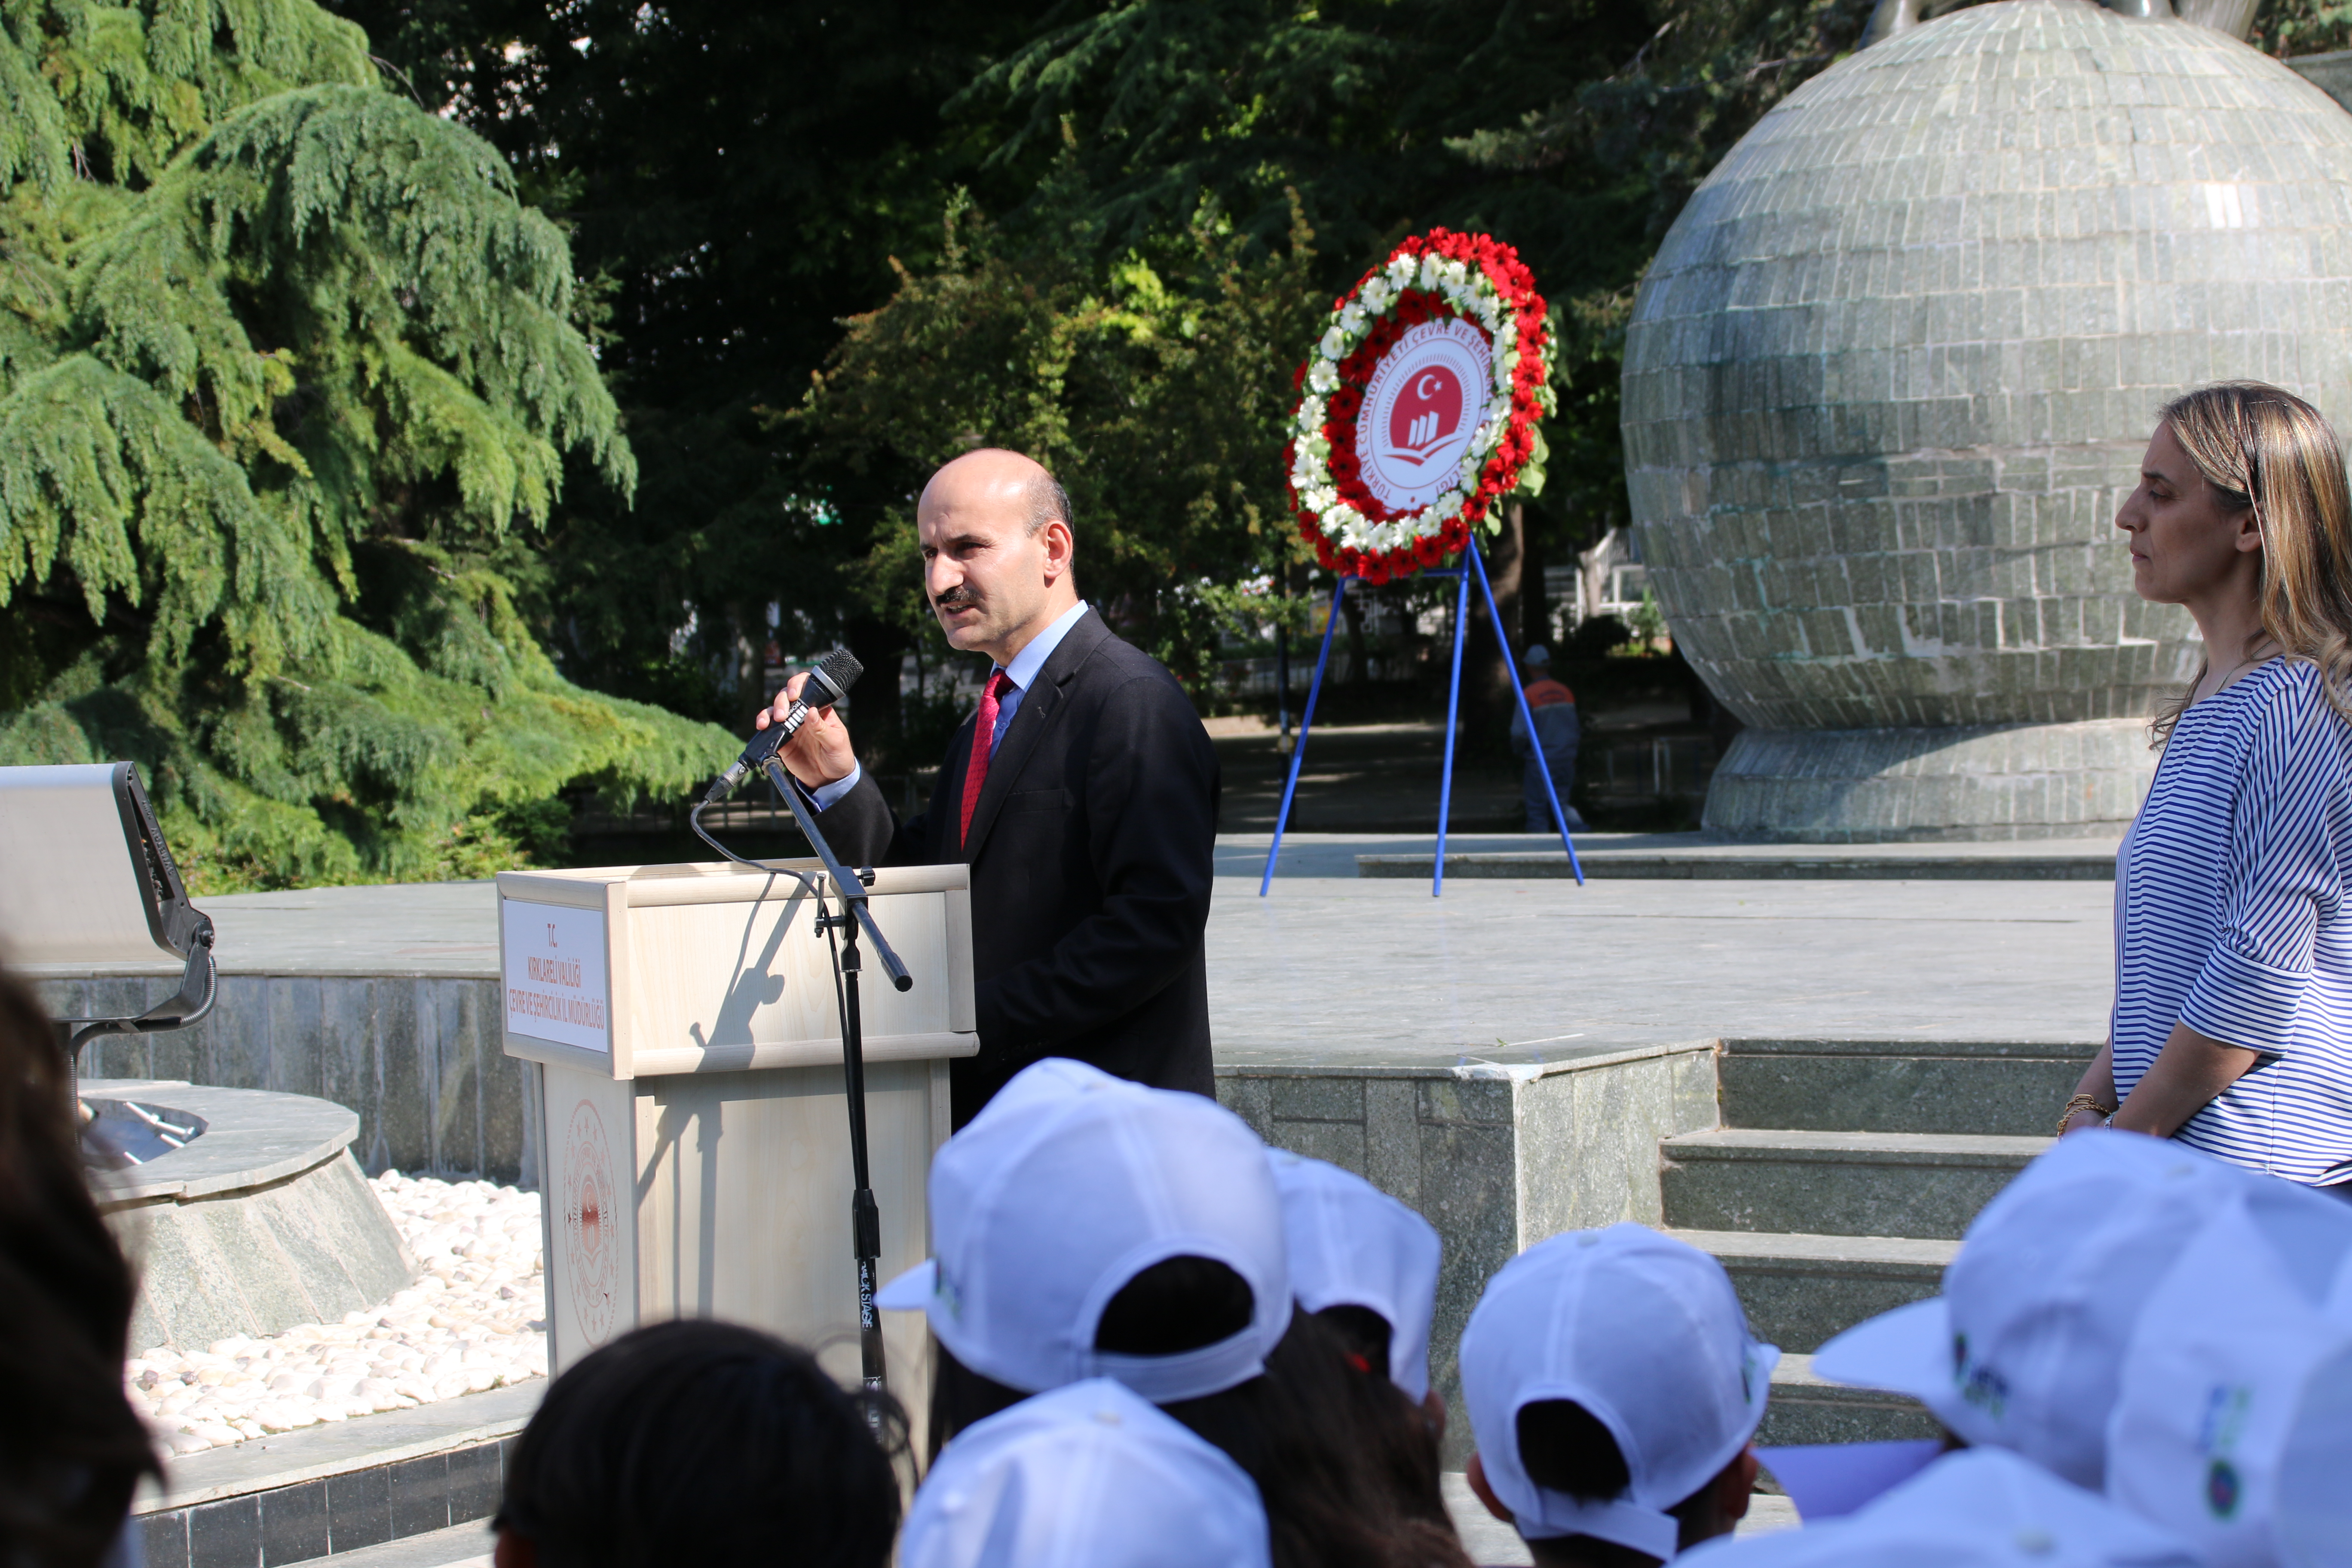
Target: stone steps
2000,1087
1835,1184
1839,1184
1800,1290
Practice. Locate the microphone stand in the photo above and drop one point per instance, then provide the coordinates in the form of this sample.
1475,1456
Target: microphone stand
865,1214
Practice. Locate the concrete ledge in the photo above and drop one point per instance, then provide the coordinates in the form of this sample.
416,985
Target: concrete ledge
1496,1155
2066,861
250,1139
340,1488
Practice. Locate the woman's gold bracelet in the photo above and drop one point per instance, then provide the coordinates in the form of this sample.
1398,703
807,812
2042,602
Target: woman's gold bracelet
2084,1102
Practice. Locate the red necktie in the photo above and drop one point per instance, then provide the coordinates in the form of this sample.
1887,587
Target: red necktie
983,737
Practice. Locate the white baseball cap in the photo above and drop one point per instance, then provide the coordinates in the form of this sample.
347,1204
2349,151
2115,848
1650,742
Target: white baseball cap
2024,1349
2235,1427
1089,1476
1643,1332
1983,1507
1352,1245
1066,1186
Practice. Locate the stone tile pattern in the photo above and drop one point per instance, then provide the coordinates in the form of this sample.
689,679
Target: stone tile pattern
417,1057
1963,783
339,1513
1890,374
1495,1164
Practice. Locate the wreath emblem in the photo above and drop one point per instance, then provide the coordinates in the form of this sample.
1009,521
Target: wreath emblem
1419,406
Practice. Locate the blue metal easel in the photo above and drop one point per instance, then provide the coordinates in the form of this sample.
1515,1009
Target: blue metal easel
1471,562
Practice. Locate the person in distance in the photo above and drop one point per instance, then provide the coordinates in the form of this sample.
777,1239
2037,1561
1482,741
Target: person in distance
1613,1388
2234,928
1085,1227
694,1441
1083,794
71,1448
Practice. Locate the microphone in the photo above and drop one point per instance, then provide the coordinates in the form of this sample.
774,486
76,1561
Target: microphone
828,683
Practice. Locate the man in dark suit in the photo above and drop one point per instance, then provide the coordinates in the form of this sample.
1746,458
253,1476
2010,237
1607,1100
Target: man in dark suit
1083,793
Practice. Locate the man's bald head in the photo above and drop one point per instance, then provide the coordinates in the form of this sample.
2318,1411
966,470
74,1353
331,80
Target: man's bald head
994,474
997,547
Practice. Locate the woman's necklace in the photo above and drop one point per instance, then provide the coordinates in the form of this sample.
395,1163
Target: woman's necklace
2223,679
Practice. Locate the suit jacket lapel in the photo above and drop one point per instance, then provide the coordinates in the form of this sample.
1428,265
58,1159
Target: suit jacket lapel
1038,706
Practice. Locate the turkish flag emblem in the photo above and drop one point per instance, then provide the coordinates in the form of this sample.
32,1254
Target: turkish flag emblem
1425,414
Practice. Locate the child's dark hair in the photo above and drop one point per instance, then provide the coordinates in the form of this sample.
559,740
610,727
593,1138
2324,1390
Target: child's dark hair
1401,1438
696,1441
71,1448
1564,1448
1300,1430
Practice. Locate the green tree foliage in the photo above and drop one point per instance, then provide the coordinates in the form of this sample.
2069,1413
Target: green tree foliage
757,192
1156,395
739,180
284,366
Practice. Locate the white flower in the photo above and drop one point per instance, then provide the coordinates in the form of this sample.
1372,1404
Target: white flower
1401,272
1323,377
1430,267
1334,345
1376,296
1351,320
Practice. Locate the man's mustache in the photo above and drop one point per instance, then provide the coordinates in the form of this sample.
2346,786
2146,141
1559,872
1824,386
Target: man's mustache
955,598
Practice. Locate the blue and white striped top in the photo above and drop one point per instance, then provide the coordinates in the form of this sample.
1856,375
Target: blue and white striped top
2231,915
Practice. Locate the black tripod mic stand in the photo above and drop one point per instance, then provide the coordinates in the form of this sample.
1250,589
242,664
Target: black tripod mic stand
865,1214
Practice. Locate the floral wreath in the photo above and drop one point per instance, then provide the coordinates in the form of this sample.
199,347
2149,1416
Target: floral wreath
1440,276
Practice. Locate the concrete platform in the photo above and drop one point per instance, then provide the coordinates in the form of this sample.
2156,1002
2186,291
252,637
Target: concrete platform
1698,859
1509,1059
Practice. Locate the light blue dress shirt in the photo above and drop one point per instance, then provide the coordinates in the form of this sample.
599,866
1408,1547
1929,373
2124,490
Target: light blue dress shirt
1023,671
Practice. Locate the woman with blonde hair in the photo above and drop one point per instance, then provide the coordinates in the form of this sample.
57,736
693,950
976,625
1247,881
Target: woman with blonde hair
2232,1022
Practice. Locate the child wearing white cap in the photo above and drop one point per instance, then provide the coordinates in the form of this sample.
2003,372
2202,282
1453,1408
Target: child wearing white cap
1089,1476
2026,1347
1363,1261
1084,1226
1983,1509
1065,1187
2235,1427
1365,1265
1613,1388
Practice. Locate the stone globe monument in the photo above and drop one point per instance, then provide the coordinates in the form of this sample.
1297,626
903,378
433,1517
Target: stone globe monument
1892,373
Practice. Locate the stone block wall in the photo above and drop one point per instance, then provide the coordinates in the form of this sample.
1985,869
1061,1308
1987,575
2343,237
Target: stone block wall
1497,1158
416,1057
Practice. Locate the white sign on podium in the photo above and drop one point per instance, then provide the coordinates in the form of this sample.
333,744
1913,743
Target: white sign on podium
690,1110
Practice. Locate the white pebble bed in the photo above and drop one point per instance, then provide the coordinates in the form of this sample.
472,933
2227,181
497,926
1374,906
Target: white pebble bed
474,1319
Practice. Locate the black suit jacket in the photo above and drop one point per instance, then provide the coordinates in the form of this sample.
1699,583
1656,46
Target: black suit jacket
1091,855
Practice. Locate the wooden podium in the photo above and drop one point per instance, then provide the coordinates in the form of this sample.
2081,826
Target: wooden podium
689,1109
